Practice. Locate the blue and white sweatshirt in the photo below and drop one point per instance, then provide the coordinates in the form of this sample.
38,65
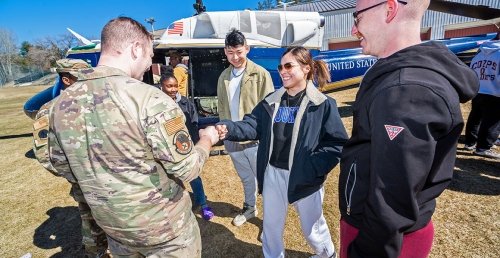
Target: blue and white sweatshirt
486,65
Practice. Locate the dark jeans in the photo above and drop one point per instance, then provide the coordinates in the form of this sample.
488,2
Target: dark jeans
483,124
198,192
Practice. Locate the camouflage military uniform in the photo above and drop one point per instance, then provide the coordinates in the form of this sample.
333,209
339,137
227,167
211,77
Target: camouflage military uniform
126,144
93,237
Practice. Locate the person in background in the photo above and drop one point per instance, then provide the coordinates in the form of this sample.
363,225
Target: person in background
64,80
94,240
483,125
406,124
180,72
240,87
300,137
126,145
170,86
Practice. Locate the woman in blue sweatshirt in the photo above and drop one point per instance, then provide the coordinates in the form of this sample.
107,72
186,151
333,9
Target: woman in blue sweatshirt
301,137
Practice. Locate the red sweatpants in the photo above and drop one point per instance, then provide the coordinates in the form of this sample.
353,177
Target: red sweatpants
416,244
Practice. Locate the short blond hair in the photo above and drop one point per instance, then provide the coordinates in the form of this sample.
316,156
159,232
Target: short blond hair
118,33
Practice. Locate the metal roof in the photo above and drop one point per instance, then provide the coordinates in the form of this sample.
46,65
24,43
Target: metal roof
321,6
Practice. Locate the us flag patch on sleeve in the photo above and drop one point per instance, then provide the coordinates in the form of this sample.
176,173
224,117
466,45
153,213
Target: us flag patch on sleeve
174,125
393,131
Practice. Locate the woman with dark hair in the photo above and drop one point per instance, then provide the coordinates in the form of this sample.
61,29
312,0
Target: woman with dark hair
169,85
301,137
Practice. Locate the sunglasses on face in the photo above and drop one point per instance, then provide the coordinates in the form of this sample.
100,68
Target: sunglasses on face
356,13
287,66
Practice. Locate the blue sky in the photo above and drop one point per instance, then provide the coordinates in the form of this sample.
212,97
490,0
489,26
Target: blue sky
30,20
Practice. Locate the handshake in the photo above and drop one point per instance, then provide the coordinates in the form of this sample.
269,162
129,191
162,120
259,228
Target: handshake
214,133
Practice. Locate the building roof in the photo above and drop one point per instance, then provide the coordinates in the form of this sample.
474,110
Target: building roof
320,6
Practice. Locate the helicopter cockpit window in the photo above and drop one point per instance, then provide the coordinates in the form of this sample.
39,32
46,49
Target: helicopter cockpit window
245,22
269,24
204,27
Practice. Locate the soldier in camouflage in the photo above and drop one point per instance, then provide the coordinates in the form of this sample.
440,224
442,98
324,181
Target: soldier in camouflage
127,146
67,70
93,237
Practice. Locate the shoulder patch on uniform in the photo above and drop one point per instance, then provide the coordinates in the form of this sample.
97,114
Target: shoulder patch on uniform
182,143
393,131
174,125
40,131
41,122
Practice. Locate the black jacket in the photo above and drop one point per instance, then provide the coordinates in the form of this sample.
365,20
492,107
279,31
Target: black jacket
189,110
317,139
401,155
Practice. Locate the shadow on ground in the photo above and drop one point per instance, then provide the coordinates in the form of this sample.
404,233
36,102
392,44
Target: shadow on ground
14,136
30,154
61,229
219,241
475,175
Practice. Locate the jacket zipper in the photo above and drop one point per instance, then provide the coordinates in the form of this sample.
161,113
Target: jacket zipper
348,198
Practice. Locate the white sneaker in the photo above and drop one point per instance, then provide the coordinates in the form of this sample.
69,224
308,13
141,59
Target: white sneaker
470,147
247,213
487,154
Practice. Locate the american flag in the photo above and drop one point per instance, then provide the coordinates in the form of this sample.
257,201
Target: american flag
175,28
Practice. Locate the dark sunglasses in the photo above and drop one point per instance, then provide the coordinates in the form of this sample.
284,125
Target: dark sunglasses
287,66
356,13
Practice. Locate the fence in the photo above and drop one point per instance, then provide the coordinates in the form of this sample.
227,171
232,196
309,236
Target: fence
20,74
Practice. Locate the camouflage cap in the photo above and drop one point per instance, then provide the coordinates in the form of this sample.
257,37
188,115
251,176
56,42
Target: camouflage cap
71,66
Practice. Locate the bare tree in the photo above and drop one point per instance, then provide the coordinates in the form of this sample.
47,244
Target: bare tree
7,55
65,42
46,51
41,57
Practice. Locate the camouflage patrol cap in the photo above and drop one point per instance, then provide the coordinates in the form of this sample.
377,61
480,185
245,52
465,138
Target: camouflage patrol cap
71,66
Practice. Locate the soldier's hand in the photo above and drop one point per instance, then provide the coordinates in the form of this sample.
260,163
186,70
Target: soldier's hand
222,129
210,133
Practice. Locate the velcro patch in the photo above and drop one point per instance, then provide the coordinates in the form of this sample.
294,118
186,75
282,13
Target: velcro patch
41,122
174,125
40,137
40,131
183,144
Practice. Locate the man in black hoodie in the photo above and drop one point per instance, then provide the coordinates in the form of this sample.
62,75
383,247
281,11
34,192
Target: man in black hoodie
407,121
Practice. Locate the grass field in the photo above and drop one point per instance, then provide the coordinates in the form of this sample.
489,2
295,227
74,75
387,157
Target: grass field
39,217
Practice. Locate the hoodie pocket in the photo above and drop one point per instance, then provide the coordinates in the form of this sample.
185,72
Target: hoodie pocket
349,186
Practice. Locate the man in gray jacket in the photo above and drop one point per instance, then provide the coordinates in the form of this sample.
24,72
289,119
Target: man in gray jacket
240,88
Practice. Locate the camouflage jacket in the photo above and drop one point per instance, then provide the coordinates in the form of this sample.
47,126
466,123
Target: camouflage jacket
40,141
41,149
126,144
40,136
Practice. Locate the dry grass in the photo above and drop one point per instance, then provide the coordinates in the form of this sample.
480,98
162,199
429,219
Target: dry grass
39,217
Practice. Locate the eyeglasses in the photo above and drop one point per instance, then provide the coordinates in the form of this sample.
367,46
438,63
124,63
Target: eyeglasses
356,13
287,66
